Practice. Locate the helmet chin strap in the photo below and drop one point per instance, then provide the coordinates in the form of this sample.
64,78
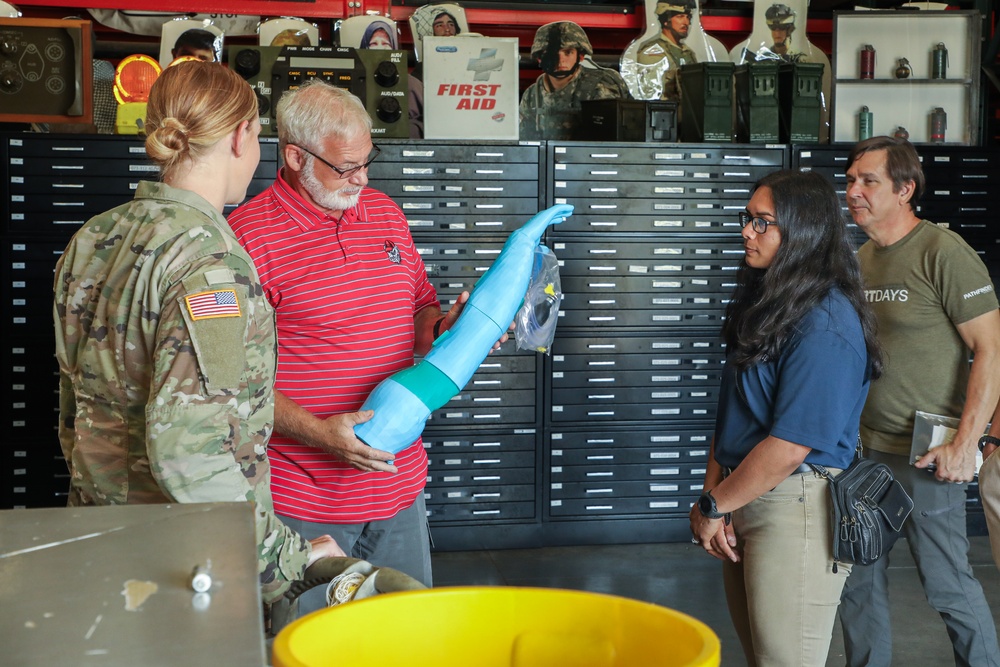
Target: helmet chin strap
564,73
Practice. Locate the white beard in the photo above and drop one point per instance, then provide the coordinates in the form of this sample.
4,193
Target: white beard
339,200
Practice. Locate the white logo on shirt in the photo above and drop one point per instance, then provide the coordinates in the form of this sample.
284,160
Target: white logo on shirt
880,295
985,289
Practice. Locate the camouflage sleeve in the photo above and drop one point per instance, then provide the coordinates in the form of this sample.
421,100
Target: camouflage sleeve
528,114
210,410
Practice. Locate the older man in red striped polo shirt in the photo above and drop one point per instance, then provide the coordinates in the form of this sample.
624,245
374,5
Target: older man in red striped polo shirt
353,304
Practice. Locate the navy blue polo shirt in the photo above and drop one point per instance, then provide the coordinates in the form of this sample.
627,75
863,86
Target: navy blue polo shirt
811,395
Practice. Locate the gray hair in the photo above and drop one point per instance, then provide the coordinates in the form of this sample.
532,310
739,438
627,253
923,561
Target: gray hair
317,110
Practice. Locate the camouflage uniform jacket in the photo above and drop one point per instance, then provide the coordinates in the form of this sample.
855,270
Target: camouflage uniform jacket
555,114
659,63
167,352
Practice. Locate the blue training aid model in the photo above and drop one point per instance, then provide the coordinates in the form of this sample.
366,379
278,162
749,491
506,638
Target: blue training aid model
403,402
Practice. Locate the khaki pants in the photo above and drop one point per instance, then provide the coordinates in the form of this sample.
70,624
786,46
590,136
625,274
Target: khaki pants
783,594
989,493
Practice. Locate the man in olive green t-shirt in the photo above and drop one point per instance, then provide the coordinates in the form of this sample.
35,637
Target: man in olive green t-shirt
935,306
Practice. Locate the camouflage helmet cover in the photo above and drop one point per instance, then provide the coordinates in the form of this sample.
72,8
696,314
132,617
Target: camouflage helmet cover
779,16
566,35
673,7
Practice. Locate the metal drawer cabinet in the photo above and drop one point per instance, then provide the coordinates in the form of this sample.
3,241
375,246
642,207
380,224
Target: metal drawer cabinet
475,513
440,478
491,493
685,489
591,507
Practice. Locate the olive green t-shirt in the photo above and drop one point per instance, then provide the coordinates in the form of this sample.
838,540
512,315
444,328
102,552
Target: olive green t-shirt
920,287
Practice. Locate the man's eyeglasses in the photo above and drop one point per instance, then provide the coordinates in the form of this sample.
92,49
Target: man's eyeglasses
759,224
349,171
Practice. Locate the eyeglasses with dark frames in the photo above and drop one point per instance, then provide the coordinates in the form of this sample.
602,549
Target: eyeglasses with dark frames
759,225
349,171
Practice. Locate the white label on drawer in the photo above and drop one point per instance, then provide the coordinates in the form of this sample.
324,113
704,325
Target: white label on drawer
666,267
597,508
601,474
144,168
672,411
665,362
486,478
663,487
666,378
665,394
557,408
662,504
664,471
451,478
453,494
557,486
667,302
600,490
555,503
668,207
664,455
483,512
453,462
668,223
665,438
638,268
485,495
666,190
668,283
675,173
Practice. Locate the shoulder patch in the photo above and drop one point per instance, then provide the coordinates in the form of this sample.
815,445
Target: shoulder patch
214,303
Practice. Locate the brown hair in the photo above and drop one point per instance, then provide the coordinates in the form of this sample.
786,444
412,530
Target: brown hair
902,164
192,105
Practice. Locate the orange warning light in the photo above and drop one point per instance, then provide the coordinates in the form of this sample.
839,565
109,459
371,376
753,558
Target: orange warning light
134,77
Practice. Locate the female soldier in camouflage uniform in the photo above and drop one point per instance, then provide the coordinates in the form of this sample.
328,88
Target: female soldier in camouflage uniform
166,345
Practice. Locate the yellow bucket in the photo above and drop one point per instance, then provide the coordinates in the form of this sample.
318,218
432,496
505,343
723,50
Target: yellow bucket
497,627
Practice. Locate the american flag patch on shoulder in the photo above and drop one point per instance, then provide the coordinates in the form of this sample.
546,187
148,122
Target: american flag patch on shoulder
217,303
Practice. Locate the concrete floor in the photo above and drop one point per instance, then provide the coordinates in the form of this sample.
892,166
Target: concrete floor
682,577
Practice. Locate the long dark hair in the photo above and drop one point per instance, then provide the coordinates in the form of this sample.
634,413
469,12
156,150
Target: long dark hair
815,256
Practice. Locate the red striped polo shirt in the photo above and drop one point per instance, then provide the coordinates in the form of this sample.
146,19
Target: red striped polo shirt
345,293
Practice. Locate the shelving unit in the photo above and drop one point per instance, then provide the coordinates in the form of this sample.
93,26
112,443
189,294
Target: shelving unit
907,102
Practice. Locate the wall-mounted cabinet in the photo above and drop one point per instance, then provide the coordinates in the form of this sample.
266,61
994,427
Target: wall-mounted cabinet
913,101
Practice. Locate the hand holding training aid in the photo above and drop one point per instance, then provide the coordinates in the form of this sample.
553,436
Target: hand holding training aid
403,401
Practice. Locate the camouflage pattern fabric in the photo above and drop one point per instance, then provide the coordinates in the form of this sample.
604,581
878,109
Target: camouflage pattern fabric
546,114
167,354
659,62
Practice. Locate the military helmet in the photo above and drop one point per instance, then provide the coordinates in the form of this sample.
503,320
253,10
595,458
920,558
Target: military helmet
561,35
779,16
672,8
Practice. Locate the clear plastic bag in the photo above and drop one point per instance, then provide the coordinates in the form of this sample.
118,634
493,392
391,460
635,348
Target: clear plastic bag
535,322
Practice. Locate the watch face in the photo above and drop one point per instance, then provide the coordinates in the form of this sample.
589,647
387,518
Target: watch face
705,505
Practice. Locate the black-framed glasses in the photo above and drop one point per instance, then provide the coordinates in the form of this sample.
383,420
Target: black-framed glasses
349,171
759,225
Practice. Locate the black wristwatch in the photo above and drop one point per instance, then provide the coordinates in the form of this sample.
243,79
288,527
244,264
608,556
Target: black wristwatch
708,508
988,440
